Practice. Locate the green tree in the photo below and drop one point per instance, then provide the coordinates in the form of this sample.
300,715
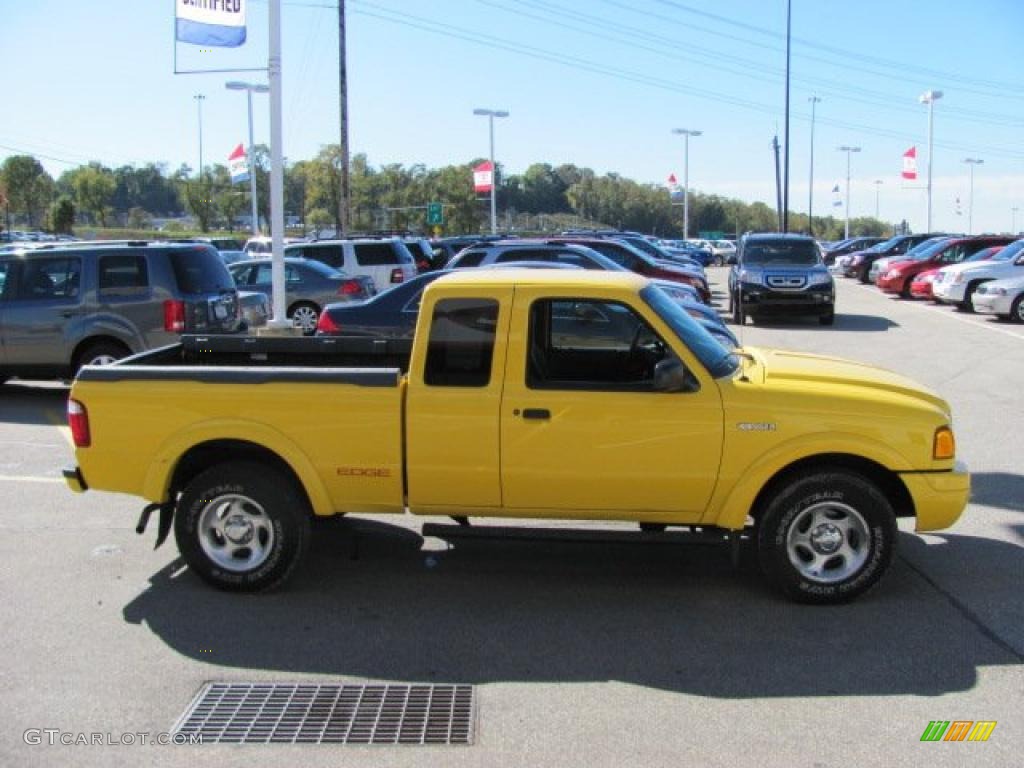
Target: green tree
29,187
93,187
139,218
62,215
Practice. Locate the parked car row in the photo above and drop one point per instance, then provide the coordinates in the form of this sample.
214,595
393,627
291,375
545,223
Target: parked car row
982,273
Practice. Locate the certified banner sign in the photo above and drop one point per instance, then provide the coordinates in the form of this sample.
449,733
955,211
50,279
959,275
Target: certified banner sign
238,165
210,22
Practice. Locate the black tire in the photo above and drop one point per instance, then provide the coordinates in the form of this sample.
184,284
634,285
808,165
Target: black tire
100,353
905,290
1017,310
797,535
966,305
265,508
828,319
863,275
737,309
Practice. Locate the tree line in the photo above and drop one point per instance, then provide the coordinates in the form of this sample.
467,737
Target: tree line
392,196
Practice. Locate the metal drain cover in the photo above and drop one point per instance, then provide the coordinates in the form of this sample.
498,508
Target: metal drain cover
276,713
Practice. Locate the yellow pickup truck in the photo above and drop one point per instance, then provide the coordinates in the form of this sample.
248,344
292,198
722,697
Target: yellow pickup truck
524,394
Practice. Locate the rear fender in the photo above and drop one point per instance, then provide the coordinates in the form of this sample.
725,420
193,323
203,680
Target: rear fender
156,486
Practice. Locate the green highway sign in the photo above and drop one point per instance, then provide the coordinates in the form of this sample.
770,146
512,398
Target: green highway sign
435,214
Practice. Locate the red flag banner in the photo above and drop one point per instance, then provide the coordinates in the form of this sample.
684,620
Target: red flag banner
483,177
910,164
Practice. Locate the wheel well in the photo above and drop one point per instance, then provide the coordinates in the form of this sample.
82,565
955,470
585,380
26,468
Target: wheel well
92,341
205,455
886,480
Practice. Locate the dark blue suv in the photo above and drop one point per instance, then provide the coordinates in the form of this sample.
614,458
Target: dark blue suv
780,275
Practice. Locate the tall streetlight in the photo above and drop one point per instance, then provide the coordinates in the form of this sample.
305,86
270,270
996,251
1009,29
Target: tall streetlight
199,104
810,187
848,151
490,114
686,134
929,98
971,162
250,89
878,186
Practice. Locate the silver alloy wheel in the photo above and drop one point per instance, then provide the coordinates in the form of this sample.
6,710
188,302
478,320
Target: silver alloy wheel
1020,311
101,360
305,317
235,532
828,542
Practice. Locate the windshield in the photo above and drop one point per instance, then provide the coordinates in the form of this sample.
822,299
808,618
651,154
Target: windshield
886,245
923,254
718,361
801,252
1009,252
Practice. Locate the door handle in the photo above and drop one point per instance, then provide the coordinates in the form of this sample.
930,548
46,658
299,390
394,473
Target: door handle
536,413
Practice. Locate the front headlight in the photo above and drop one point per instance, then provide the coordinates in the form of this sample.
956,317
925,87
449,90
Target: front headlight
958,278
930,278
893,274
819,278
998,291
749,276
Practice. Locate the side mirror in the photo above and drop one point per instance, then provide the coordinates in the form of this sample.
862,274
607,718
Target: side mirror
670,375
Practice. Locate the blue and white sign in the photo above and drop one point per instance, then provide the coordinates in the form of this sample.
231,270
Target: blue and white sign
210,22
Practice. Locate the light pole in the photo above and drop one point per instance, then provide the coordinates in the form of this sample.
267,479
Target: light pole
810,187
686,134
199,104
490,114
971,162
249,89
848,151
929,98
878,186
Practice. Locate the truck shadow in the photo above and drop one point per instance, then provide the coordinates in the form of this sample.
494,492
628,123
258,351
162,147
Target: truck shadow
35,403
1004,490
843,322
499,611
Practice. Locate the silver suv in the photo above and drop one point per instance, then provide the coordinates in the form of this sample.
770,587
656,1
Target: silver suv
65,307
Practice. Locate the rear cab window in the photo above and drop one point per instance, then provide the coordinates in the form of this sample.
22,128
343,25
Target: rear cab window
123,274
200,270
461,345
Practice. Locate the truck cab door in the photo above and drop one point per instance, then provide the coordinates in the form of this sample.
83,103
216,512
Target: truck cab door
585,433
453,401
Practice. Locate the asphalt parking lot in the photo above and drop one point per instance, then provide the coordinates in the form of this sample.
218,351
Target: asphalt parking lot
597,654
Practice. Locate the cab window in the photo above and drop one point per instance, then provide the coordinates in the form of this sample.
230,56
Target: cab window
461,344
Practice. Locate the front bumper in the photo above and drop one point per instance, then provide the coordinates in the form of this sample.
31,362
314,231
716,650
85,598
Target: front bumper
990,304
758,300
890,284
921,290
73,477
939,497
951,292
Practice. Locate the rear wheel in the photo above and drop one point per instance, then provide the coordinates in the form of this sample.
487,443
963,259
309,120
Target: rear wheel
305,316
100,353
242,526
827,537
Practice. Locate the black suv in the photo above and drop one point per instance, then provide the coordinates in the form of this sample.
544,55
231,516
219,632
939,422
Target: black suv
779,274
80,304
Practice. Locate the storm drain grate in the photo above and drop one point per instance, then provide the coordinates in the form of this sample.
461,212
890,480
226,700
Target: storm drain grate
275,713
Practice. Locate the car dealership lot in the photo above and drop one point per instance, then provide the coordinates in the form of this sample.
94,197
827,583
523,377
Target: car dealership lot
581,653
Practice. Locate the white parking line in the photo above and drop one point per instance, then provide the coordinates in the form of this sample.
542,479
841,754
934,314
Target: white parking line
944,312
58,420
29,479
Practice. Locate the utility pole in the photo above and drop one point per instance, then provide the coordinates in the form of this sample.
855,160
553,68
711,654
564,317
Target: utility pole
929,98
848,151
778,183
810,187
686,134
971,162
785,183
343,197
878,186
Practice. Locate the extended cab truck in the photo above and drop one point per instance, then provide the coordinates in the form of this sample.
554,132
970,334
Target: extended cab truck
525,394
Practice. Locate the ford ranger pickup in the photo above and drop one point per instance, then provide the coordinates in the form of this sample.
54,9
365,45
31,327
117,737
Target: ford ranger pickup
523,394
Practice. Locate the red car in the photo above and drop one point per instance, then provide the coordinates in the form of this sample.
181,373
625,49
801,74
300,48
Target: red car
900,274
921,286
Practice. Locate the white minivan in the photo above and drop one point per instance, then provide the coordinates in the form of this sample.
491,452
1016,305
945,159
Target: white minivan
387,260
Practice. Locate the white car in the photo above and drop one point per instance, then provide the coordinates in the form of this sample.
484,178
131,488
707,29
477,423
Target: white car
723,250
955,284
386,260
1004,298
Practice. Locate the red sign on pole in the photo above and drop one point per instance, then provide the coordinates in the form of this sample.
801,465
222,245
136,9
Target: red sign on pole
910,163
483,177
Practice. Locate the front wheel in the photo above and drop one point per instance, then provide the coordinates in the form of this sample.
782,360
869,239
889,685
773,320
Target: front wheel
737,309
827,538
1017,310
242,526
828,319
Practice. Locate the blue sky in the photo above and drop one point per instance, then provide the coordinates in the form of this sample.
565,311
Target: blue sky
599,83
